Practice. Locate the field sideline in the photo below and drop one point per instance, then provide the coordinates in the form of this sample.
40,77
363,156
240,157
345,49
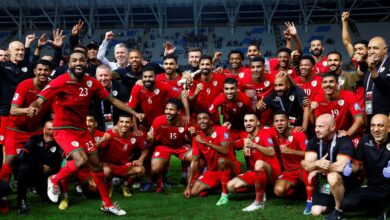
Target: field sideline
169,205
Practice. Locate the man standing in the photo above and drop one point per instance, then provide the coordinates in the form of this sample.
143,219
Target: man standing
307,79
326,155
72,93
316,50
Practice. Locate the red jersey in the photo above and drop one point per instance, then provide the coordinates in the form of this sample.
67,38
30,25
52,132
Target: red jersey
344,109
274,68
296,141
262,89
242,72
163,78
171,136
118,150
219,135
321,66
96,135
71,99
311,88
233,111
152,102
291,72
26,93
263,139
210,91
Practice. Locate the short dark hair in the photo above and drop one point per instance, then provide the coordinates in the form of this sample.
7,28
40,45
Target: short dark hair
284,49
170,56
254,44
205,111
365,42
80,46
206,57
335,52
43,62
149,69
281,112
258,59
236,51
330,74
230,81
175,102
195,49
309,57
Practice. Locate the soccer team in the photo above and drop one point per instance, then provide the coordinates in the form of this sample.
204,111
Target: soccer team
299,120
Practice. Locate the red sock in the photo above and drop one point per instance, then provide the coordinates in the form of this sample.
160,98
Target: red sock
159,181
224,175
309,186
101,185
6,172
260,183
203,194
65,184
64,172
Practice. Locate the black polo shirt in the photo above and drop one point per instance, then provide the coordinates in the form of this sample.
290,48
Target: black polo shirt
339,146
292,104
374,157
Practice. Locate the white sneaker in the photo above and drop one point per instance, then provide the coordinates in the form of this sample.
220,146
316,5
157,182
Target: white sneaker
114,209
53,191
254,206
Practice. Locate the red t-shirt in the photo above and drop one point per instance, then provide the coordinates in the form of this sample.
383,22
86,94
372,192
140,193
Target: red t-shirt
321,66
311,88
262,89
344,109
71,99
163,78
152,102
233,111
296,141
26,93
242,72
171,136
118,150
219,135
210,91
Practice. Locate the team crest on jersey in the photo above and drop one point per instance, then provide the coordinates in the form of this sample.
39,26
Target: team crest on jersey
75,143
314,83
239,104
266,83
324,63
388,146
16,96
18,150
156,91
214,134
211,107
114,93
257,139
132,140
289,71
181,129
291,97
24,69
341,81
53,149
290,138
215,83
97,138
156,154
89,83
341,102
381,69
241,75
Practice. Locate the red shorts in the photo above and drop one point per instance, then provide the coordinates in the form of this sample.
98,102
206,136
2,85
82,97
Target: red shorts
84,174
119,170
249,177
16,140
212,179
293,176
3,126
164,152
74,140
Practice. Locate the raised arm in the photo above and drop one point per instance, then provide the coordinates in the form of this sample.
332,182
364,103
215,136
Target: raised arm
345,34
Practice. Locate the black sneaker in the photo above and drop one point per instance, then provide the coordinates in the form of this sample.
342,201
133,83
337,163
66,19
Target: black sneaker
24,209
335,215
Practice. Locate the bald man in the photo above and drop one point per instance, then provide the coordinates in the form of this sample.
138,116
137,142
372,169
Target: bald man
326,156
373,156
377,78
288,98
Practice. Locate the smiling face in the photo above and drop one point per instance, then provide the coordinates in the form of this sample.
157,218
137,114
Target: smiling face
377,47
281,86
135,60
230,90
148,79
77,64
16,51
42,73
334,62
379,128
170,66
170,112
235,60
194,58
325,127
305,68
283,59
316,48
329,84
48,131
125,124
257,68
253,51
204,121
251,123
205,66
104,76
121,55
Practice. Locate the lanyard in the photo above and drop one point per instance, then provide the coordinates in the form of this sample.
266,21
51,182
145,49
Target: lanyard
332,145
281,103
369,76
102,104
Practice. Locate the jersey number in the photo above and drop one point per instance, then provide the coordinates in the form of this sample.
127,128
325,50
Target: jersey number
335,112
83,91
172,136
